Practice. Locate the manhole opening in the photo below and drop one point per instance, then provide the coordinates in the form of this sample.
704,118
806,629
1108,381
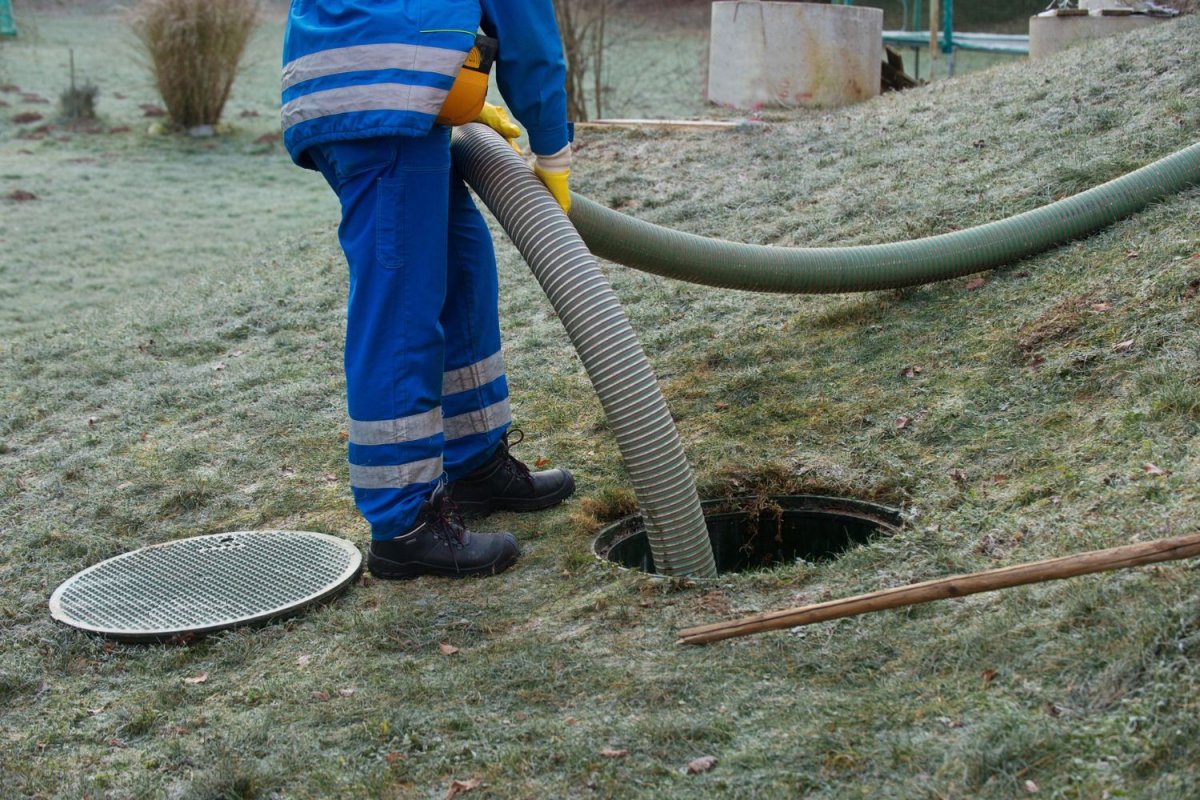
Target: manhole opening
753,533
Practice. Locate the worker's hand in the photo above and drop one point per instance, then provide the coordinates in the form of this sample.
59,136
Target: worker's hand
496,118
554,171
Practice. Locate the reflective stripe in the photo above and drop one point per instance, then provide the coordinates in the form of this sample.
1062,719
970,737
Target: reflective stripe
396,477
474,375
368,57
482,421
369,97
395,431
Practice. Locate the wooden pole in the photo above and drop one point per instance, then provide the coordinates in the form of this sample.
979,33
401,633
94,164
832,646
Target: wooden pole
958,586
671,123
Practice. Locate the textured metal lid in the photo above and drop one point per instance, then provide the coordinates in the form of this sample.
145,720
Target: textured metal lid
205,583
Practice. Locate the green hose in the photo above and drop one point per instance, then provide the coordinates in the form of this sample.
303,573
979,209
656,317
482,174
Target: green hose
713,262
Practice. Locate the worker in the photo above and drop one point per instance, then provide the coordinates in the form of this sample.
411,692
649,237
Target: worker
364,82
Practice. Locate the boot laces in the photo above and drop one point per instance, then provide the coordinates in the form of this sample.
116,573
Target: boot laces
447,523
511,464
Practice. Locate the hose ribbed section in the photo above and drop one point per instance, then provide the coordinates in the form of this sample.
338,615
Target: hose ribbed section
713,262
605,341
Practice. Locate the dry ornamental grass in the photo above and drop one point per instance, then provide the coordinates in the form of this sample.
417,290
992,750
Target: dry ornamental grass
194,47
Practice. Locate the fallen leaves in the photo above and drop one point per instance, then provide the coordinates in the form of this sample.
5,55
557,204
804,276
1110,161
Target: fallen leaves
701,764
1123,347
462,787
197,679
321,696
975,283
1155,470
447,649
610,752
20,196
911,371
903,421
25,117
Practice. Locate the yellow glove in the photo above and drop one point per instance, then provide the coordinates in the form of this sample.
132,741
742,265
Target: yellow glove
496,118
554,171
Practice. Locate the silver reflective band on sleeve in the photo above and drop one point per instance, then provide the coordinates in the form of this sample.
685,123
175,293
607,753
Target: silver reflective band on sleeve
395,431
481,421
396,477
370,57
370,97
474,375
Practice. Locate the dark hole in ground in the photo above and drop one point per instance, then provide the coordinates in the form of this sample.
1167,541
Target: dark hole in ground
752,533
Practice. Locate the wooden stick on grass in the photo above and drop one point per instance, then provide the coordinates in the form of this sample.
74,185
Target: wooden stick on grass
714,124
958,586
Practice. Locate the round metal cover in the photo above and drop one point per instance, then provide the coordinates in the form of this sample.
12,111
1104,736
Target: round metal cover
205,583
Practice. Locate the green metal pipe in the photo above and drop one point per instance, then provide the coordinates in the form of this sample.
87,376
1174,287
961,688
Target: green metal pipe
818,270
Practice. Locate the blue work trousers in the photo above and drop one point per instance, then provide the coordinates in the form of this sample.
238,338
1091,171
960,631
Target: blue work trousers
425,384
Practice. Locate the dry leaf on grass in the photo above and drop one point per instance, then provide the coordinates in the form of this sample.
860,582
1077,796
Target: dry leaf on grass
447,649
1121,347
975,283
320,696
903,422
701,764
1153,469
610,752
201,678
461,787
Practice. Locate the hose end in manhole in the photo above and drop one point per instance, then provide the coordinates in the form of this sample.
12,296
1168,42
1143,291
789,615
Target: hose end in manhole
752,533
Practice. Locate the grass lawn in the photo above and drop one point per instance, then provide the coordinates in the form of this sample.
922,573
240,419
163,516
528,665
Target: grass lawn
171,315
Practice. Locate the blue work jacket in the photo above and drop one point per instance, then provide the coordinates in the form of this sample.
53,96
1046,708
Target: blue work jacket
355,69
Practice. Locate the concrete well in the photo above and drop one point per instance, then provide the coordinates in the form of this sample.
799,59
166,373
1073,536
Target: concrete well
1049,35
793,54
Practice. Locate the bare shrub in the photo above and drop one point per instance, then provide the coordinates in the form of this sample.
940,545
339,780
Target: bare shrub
582,24
194,47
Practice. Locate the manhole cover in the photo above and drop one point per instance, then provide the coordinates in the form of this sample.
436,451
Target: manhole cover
749,533
205,584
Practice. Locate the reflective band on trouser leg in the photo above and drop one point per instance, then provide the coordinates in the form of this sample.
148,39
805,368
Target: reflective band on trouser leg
474,387
393,232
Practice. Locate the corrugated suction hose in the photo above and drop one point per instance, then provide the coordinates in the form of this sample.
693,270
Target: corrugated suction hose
613,358
713,262
611,354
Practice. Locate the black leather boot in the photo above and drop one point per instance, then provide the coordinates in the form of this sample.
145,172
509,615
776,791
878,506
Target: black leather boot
439,544
502,483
